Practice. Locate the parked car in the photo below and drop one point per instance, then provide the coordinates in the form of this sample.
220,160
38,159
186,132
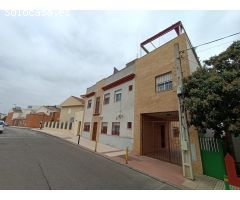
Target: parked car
1,126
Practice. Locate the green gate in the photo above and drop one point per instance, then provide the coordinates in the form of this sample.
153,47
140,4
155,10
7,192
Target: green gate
212,157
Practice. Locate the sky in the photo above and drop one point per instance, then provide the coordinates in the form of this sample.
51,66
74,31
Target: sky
44,60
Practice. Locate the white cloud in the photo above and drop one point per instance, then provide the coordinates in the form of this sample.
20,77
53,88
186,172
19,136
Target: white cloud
43,60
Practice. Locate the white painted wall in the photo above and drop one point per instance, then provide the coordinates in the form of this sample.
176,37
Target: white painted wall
88,113
78,117
125,107
16,115
44,110
192,60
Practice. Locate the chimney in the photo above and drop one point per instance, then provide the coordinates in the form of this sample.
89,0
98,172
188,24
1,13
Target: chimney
115,70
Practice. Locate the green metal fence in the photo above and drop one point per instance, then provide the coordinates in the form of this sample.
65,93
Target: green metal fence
212,157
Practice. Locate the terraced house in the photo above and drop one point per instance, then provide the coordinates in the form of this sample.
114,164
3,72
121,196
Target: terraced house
109,109
138,106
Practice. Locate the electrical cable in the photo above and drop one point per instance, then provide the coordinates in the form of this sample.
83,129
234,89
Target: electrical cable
210,42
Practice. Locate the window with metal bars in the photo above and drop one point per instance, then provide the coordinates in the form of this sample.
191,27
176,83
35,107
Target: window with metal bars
164,82
86,127
106,98
104,128
89,103
116,128
118,95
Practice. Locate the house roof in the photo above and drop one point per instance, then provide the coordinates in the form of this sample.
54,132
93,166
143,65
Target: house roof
72,101
53,108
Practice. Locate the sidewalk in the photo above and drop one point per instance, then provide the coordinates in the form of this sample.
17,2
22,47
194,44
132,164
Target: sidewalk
163,171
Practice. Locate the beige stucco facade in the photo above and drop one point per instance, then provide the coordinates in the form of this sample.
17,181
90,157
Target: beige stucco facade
72,110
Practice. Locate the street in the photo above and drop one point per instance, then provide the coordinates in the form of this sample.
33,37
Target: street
32,160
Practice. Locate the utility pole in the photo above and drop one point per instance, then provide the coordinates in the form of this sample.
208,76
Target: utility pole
184,135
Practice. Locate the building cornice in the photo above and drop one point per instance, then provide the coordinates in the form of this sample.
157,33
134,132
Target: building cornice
90,94
119,82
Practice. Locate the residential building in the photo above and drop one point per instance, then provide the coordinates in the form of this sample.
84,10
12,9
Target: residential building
138,105
109,109
156,110
32,116
72,113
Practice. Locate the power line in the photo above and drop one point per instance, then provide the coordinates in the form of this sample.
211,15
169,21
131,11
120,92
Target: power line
215,46
211,42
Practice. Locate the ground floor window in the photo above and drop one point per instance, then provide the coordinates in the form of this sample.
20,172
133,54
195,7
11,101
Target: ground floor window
129,125
104,128
86,126
115,128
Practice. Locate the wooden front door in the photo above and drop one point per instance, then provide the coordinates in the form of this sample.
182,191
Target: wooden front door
94,133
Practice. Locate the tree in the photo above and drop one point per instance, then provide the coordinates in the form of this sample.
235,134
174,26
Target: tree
212,93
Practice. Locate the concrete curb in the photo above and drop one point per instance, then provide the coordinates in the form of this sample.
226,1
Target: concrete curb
108,158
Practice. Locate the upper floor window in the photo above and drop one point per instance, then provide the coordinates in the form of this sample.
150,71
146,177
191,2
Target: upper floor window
106,98
130,87
164,82
118,95
97,106
104,127
89,103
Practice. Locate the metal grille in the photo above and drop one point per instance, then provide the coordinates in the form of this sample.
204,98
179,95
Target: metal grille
161,141
209,144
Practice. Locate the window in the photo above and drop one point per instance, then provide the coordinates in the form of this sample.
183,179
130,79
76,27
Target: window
69,110
57,124
106,98
115,128
86,126
89,103
97,105
118,95
130,87
104,128
164,82
129,125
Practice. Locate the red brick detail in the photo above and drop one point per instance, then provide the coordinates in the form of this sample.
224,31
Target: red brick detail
33,120
119,82
90,94
233,179
9,118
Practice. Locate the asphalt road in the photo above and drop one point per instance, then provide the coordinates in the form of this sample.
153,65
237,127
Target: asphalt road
32,160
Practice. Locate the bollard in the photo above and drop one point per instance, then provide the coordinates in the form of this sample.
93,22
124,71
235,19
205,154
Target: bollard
95,146
226,183
78,139
126,155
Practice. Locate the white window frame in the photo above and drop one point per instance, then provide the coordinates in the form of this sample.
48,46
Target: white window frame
117,94
163,82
